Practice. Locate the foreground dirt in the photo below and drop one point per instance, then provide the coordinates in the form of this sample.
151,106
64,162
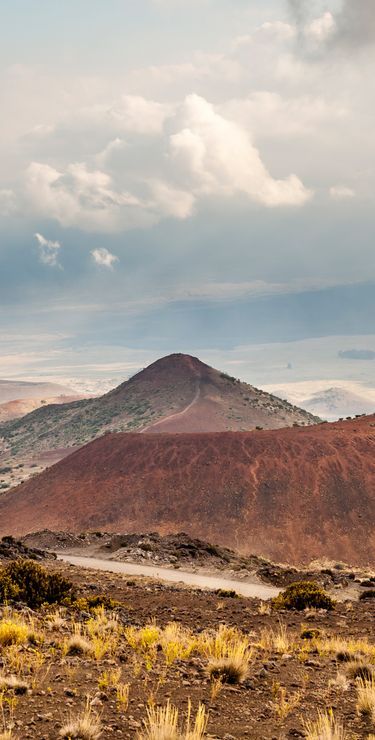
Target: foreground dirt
286,685
288,495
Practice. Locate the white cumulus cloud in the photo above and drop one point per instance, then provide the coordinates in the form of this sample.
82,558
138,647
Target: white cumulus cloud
104,257
219,158
163,169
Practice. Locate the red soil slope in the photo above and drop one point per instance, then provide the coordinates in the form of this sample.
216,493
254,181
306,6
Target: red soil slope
291,495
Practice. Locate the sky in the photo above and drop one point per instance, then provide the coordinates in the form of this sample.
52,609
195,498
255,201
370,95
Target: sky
187,175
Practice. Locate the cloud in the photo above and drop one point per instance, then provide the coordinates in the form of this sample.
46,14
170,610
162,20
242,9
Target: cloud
159,172
48,251
352,25
104,258
320,29
133,113
341,192
276,116
81,197
219,158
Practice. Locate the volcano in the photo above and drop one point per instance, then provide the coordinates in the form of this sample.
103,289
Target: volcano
291,495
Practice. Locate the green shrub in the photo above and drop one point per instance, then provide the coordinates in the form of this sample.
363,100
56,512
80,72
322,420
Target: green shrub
303,595
29,582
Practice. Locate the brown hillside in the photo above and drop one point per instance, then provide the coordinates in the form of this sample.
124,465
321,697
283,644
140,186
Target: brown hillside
291,495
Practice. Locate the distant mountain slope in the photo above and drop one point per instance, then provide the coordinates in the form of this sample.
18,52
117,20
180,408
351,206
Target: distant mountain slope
13,390
177,393
292,495
335,402
330,399
20,407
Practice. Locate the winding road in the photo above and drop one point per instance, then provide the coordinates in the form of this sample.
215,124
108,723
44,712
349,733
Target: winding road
254,590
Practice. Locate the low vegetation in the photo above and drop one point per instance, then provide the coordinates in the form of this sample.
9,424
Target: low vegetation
160,663
30,583
303,595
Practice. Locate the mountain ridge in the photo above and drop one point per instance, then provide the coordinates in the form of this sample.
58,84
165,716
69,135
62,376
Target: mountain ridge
177,393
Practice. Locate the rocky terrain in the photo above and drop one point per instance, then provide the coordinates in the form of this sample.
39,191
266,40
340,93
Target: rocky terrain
12,549
175,394
290,495
191,554
157,644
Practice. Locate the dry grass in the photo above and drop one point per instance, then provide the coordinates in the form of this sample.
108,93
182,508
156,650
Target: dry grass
360,669
13,632
13,683
278,640
162,723
347,649
84,727
177,643
78,645
229,654
285,703
326,727
366,697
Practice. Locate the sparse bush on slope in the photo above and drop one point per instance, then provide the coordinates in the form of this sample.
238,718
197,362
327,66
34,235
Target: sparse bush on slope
26,581
303,595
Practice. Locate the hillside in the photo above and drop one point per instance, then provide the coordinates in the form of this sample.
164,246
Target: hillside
292,495
175,394
22,406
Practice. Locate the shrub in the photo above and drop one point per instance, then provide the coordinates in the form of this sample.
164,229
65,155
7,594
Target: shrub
29,582
310,633
226,593
370,594
303,595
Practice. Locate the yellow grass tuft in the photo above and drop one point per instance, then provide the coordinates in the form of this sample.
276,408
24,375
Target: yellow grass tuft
13,632
84,727
77,645
366,697
162,724
229,654
326,727
13,683
278,640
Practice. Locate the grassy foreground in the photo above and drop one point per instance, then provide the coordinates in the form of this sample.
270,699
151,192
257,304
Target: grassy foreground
170,663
